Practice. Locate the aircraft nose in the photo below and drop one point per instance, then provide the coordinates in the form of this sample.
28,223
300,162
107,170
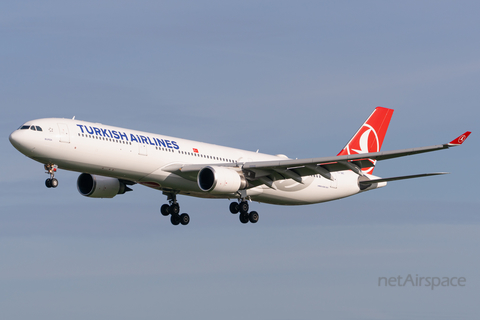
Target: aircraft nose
17,139
14,138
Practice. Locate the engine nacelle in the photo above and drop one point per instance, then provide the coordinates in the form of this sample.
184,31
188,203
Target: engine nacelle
95,186
220,180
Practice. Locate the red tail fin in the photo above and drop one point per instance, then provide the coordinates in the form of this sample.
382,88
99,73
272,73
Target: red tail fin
369,138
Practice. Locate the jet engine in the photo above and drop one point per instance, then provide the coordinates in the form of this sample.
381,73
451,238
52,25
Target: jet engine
95,186
220,180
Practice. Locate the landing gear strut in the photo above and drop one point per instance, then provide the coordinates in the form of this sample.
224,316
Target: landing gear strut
242,207
173,209
51,182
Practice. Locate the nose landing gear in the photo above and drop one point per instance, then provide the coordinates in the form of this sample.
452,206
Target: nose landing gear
51,182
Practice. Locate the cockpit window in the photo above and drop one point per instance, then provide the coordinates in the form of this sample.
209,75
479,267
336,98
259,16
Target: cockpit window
34,128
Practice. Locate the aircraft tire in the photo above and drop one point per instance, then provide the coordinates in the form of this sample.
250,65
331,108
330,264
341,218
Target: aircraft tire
234,207
175,219
48,183
184,219
243,217
243,207
54,183
174,209
253,217
165,210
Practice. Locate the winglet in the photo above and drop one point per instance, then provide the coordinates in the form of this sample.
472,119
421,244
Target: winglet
458,141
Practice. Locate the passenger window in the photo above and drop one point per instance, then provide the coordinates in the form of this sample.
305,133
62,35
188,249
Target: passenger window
39,128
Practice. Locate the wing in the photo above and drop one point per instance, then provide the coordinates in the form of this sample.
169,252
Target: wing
266,172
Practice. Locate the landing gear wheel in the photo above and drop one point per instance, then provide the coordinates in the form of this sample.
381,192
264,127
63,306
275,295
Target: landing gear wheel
253,217
243,217
48,183
184,219
243,207
175,219
54,183
174,209
234,207
164,210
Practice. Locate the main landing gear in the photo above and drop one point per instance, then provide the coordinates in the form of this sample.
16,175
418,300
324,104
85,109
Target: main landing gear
51,182
242,207
173,209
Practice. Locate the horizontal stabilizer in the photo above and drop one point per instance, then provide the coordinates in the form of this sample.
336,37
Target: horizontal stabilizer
368,182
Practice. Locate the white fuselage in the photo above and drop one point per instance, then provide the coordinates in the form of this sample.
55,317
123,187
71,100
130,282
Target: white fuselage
143,157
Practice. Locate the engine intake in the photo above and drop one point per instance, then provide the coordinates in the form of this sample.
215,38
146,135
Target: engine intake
100,187
220,180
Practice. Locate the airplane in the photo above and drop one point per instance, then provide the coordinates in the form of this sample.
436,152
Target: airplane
112,159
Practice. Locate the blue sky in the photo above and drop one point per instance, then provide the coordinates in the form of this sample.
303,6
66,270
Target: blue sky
296,78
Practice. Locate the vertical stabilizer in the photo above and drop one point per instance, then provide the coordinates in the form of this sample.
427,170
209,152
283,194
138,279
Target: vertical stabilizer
369,138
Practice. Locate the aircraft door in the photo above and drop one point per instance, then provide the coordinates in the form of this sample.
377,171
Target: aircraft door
64,134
